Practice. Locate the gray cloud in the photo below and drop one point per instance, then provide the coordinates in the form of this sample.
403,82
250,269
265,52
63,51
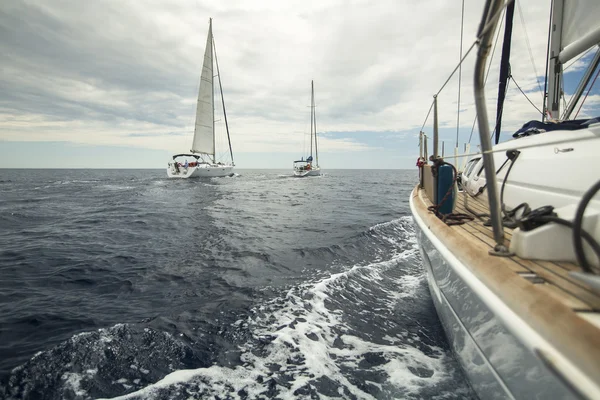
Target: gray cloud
131,69
80,62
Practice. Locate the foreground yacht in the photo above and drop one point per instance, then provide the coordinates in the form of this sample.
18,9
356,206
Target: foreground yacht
512,258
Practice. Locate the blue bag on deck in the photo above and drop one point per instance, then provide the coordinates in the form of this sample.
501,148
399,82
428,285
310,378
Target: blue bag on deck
445,181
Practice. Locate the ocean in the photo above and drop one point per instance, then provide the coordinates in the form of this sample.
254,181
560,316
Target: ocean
125,284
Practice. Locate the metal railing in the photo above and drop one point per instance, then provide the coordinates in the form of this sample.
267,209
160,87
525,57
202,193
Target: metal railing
491,16
489,21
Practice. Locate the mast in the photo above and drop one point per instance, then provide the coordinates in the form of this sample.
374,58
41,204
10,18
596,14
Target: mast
504,68
555,67
312,109
574,30
485,34
223,102
213,91
315,119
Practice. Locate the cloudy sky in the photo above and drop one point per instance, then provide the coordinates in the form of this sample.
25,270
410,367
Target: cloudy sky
113,83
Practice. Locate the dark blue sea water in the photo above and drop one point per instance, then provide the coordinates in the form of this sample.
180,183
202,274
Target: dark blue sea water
124,283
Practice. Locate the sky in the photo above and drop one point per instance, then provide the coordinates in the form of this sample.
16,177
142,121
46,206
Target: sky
113,84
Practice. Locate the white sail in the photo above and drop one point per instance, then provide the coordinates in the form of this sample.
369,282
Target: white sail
580,29
204,139
203,144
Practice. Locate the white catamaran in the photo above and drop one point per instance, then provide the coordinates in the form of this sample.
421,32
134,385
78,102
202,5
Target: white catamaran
512,260
310,166
203,154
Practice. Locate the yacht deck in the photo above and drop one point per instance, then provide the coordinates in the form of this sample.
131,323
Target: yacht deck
552,277
561,308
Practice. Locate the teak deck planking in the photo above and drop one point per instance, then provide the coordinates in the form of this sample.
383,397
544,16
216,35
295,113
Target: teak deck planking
555,274
558,306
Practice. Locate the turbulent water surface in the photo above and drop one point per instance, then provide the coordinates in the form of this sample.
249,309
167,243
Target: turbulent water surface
121,283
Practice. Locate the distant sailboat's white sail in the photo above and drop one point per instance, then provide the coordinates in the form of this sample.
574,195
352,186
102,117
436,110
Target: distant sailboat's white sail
204,140
580,29
205,163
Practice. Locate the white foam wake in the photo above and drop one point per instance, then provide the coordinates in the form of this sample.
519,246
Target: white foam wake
329,338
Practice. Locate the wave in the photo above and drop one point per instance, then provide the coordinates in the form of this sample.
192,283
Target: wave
92,364
331,338
368,331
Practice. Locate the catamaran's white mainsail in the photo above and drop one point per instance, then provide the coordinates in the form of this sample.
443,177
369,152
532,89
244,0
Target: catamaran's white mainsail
203,152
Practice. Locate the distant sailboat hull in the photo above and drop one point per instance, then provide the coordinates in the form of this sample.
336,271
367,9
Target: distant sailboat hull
202,171
303,173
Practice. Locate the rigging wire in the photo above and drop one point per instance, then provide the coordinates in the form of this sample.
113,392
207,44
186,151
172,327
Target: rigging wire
222,101
544,94
482,31
457,67
588,92
462,27
579,58
565,106
507,83
562,91
529,47
521,90
427,117
305,135
487,73
314,108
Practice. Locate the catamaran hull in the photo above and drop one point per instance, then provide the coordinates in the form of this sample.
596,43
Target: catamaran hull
302,174
200,172
482,331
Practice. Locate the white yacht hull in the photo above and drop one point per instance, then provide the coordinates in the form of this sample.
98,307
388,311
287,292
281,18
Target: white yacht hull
495,347
498,349
512,302
312,172
202,171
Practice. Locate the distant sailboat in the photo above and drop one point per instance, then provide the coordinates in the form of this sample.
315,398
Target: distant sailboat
203,151
307,167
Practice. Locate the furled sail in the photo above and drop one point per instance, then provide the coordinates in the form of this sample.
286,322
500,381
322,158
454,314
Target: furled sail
580,29
204,140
